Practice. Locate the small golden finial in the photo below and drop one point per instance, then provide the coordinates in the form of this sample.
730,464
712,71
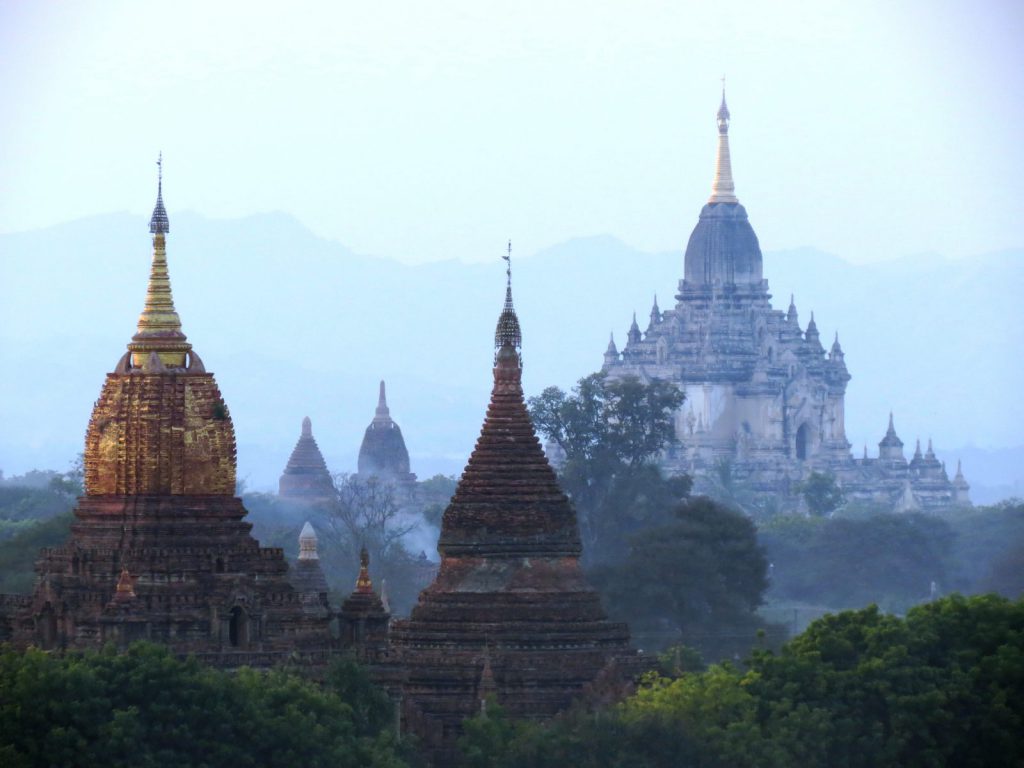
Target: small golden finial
159,327
363,583
722,188
125,585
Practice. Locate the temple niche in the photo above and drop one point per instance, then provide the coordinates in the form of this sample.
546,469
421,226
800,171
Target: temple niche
763,396
509,613
305,477
159,548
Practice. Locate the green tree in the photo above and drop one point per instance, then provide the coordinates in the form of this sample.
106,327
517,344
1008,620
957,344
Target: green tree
821,493
147,709
611,432
698,578
890,559
18,554
624,420
856,690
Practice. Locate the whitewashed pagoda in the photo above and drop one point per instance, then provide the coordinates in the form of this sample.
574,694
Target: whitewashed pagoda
763,396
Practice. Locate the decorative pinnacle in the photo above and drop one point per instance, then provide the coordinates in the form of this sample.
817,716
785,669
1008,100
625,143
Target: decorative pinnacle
307,543
158,223
508,333
723,190
125,589
363,583
307,427
159,327
382,413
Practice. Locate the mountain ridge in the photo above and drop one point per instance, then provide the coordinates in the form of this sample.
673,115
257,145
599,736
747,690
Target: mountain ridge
295,324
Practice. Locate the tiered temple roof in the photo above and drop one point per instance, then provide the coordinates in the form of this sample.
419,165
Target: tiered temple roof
306,477
509,609
762,394
159,548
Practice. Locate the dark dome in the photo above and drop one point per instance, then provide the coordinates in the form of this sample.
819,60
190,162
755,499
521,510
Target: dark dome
383,451
723,248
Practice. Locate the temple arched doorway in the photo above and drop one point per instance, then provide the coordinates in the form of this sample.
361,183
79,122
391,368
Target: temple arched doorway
803,442
238,628
46,627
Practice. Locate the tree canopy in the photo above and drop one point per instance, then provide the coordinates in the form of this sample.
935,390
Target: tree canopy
147,708
698,578
611,431
860,689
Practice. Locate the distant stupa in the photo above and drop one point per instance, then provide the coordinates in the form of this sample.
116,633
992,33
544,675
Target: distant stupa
305,478
383,453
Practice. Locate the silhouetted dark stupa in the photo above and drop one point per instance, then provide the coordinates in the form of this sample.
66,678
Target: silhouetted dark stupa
509,611
305,478
382,453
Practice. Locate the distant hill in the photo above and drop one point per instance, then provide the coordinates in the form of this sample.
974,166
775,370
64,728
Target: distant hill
296,325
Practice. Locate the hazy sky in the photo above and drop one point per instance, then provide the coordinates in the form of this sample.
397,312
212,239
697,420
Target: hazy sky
428,130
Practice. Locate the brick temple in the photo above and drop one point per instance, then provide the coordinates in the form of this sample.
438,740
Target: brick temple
509,612
305,477
159,549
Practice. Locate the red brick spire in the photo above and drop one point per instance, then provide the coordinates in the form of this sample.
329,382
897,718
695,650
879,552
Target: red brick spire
508,501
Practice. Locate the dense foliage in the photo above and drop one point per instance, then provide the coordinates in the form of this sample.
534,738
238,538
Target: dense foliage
699,578
891,559
611,432
147,708
19,553
942,687
821,493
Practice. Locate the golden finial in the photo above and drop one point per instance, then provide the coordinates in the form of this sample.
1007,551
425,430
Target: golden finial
363,583
722,189
125,586
159,328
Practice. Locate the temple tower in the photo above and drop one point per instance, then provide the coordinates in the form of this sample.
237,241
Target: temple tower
364,617
159,549
762,395
383,453
509,589
305,477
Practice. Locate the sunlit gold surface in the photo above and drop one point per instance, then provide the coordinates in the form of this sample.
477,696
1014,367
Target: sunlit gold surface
159,328
167,433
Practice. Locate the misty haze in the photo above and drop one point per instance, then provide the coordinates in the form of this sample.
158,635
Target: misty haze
474,386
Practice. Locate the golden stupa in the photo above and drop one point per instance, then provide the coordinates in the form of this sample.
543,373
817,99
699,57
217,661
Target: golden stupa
160,425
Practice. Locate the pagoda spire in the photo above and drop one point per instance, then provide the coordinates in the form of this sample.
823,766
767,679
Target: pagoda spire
159,328
508,333
383,413
363,583
722,189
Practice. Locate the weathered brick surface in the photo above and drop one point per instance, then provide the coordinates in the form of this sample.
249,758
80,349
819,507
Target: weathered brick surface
510,595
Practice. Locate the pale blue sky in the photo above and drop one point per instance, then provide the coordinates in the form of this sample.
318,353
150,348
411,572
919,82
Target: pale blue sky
428,130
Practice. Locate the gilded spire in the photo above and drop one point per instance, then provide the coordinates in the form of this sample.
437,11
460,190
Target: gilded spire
723,190
508,332
125,589
159,329
363,583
